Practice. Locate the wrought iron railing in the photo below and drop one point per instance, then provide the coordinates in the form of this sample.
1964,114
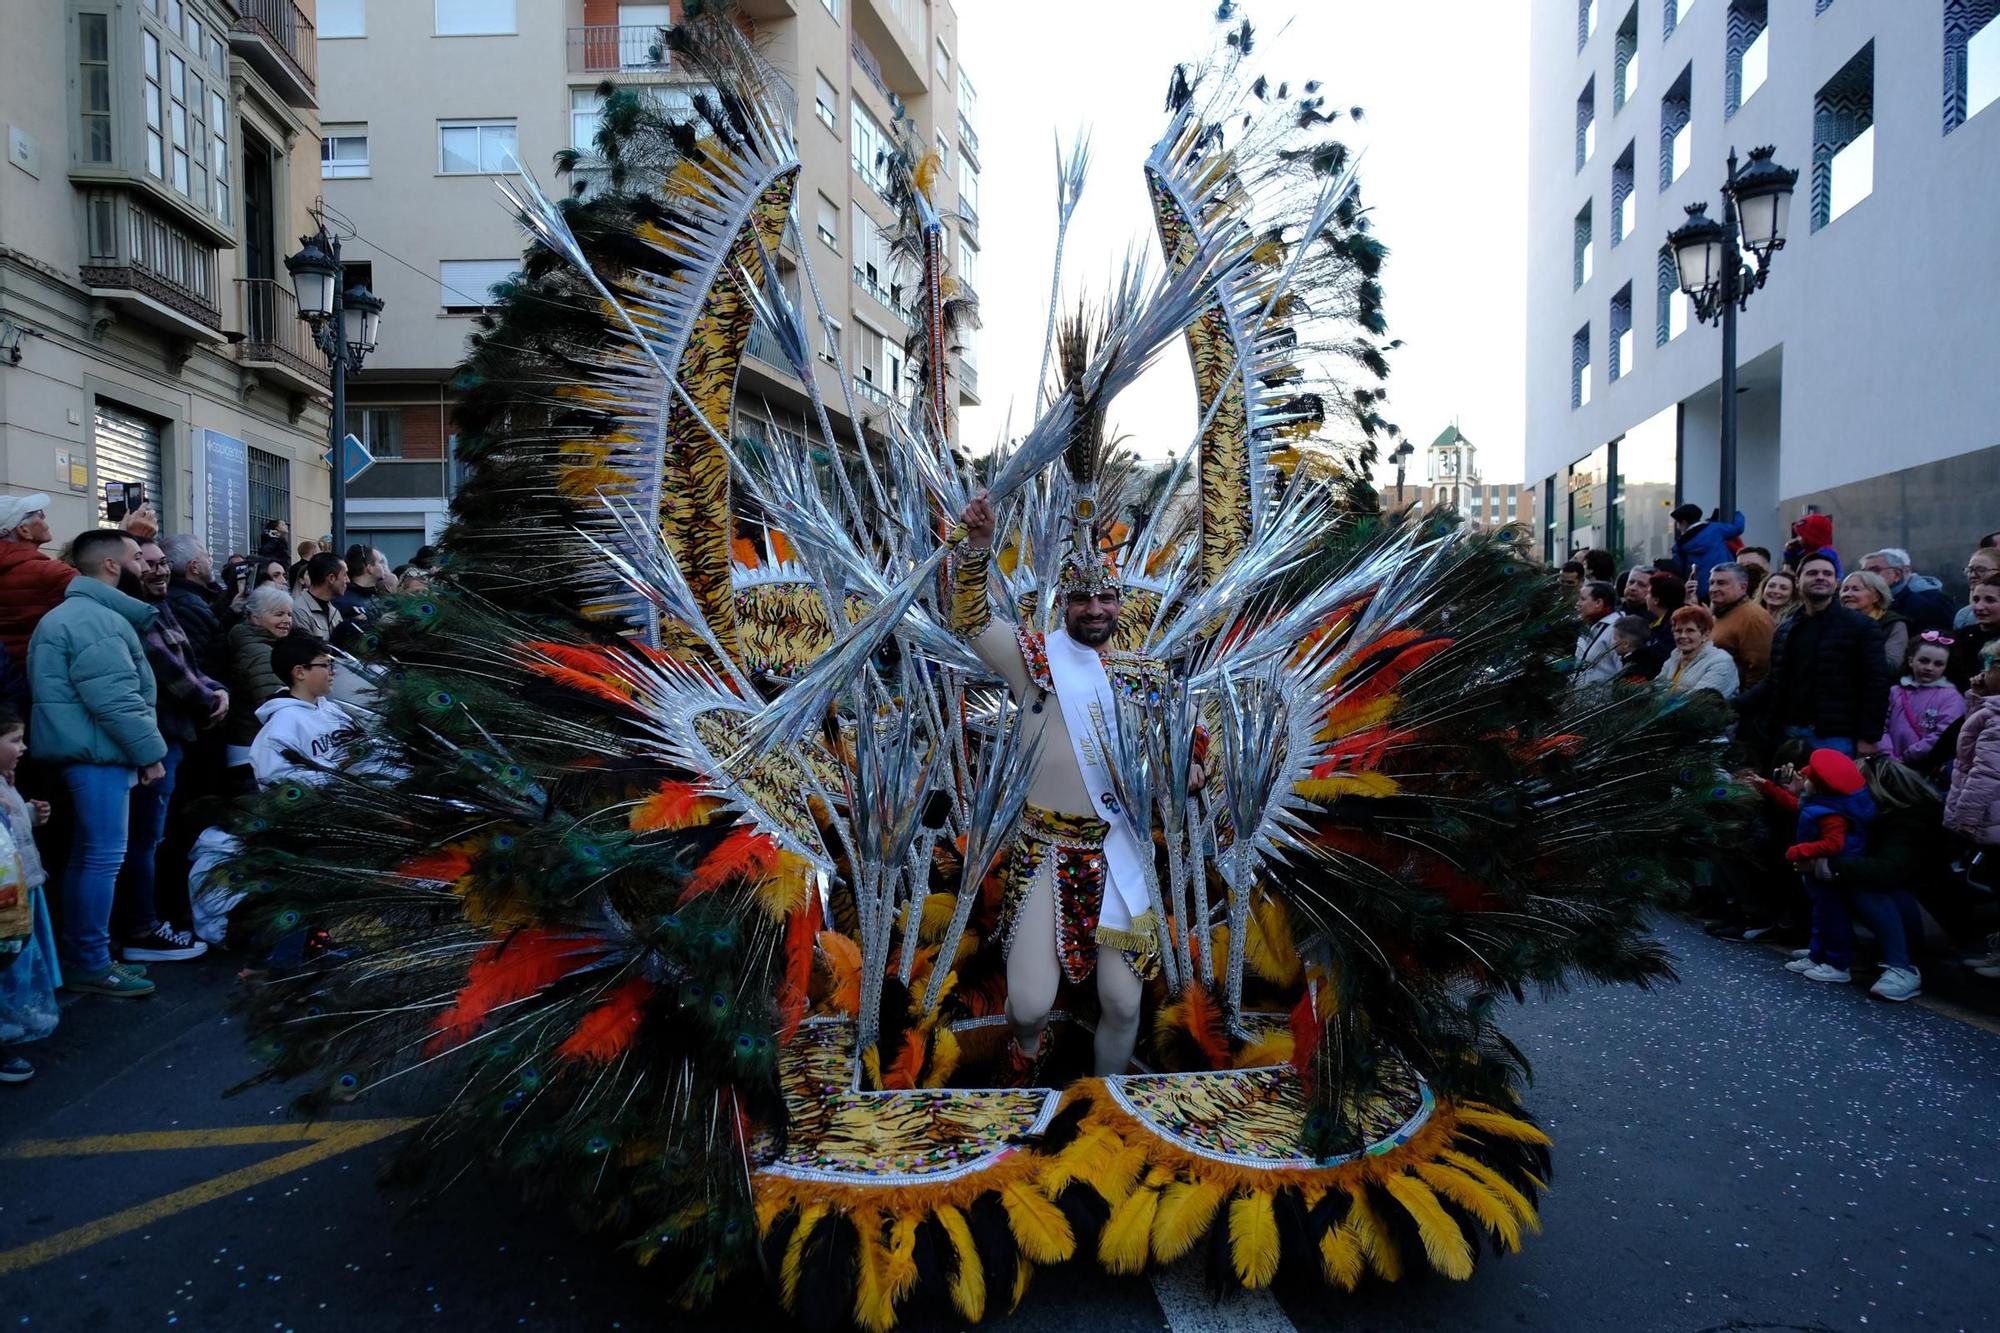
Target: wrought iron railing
606,48
873,392
130,246
870,66
966,135
968,375
891,297
287,28
273,331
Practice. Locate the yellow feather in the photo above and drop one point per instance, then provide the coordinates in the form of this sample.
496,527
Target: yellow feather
1084,1159
784,890
1340,1257
1444,1243
1373,1237
1273,1048
1182,1219
938,909
873,1310
1022,1272
769,1208
903,1257
1325,790
1498,1183
968,1282
795,1248
1120,1174
944,1057
1268,946
1503,1125
1039,1227
1122,1245
1476,1199
1253,1240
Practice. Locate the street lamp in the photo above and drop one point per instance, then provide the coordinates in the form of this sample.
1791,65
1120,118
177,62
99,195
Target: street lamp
1708,256
325,303
1401,455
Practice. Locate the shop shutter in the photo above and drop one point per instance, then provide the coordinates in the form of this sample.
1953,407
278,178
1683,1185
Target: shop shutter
128,449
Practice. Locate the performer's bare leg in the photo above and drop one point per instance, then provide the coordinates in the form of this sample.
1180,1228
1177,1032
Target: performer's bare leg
1032,970
1119,994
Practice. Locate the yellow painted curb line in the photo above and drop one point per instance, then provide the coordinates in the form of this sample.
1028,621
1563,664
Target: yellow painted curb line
323,1140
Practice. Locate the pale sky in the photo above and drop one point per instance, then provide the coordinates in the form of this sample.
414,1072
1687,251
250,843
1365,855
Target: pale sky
1444,86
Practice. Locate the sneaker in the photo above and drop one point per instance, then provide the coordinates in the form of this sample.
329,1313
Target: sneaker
1805,964
1990,970
13,1069
164,944
1826,972
113,982
130,969
1897,983
1802,953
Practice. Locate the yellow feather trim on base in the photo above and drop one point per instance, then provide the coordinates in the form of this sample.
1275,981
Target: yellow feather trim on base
1444,1243
874,1311
1268,946
1039,1227
1487,1119
1498,1183
968,1279
1373,1237
795,1248
1185,1210
1253,1240
1475,1198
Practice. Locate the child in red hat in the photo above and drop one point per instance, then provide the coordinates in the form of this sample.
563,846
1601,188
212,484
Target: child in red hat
1831,798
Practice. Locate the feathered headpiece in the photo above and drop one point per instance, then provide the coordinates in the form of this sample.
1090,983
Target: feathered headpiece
1086,567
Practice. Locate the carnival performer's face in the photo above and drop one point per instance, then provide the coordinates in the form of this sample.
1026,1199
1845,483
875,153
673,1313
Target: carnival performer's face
1091,617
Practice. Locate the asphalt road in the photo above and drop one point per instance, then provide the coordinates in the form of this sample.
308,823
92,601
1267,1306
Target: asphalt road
1745,1150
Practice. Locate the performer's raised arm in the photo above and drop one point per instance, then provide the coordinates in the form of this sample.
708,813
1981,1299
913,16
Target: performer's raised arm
971,606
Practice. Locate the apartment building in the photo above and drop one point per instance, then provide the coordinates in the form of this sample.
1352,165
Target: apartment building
1867,382
159,167
429,102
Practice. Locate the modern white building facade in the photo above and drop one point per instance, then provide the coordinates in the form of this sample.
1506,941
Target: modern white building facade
1870,363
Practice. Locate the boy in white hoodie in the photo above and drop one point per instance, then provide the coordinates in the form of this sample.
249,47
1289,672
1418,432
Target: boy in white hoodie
301,724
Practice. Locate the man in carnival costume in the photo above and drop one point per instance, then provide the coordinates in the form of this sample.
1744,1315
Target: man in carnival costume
1076,899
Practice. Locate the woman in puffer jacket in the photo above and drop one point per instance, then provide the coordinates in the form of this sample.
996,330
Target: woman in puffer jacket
1973,806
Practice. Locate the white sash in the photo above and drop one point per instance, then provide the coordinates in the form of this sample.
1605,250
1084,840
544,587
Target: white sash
1088,706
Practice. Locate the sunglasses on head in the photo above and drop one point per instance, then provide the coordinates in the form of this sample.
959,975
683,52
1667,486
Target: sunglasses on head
1938,637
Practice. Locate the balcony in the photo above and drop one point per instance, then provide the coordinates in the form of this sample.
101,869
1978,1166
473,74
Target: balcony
890,298
276,342
870,66
402,479
968,140
968,378
608,48
872,392
277,39
144,266
898,34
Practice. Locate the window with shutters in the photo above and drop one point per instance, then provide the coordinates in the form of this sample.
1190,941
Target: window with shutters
827,223
466,285
826,102
475,147
341,18
473,18
93,33
343,151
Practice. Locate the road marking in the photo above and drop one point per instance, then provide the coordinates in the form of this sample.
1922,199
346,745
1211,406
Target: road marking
328,1139
1182,1291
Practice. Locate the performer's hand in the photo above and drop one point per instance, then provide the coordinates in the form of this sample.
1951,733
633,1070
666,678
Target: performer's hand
978,520
1197,778
40,813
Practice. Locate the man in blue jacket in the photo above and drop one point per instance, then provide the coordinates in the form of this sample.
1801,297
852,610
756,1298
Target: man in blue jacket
95,713
1700,544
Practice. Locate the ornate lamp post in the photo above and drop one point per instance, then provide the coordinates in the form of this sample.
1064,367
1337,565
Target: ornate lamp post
1708,255
1402,456
326,304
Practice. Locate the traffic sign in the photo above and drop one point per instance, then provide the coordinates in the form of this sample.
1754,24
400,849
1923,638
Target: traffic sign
354,456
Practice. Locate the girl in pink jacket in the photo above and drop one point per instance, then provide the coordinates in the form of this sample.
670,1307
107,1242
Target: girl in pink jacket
1973,807
1924,704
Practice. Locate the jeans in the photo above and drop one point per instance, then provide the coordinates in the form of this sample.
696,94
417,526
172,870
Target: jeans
102,796
1895,919
135,912
1843,744
1832,929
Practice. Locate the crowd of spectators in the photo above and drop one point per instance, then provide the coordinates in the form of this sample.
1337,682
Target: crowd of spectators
142,687
1867,707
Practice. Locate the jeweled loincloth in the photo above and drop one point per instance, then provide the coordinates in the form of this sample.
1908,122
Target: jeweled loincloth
1069,849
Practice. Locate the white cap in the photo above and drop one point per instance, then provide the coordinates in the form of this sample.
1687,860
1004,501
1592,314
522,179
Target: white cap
14,510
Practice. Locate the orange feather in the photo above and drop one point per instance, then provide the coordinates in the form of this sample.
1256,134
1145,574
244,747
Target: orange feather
843,965
800,929
445,865
676,805
606,1031
513,969
582,682
745,854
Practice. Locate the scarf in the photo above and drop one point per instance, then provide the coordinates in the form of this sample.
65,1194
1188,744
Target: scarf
1090,708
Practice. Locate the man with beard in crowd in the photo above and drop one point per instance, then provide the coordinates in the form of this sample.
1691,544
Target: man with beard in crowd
1828,683
1743,629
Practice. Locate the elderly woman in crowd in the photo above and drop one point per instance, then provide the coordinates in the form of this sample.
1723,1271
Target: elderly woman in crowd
1981,565
1780,594
1696,663
267,618
1868,592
